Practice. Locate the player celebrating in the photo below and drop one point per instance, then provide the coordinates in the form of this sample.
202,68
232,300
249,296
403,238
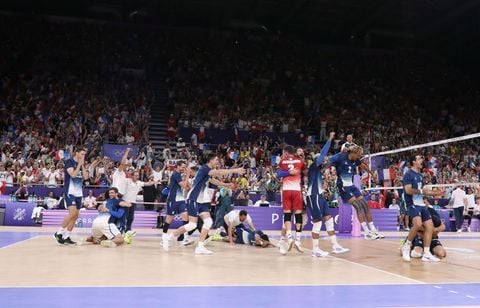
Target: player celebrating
176,200
199,199
318,206
290,171
412,182
346,164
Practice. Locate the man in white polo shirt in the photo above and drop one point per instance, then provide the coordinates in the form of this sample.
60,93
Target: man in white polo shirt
459,200
119,178
235,219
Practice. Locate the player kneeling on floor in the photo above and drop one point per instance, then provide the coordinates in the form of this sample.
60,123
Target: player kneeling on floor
111,216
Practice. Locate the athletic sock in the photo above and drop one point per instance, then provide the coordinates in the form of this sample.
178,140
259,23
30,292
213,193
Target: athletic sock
364,227
333,239
372,226
165,227
315,243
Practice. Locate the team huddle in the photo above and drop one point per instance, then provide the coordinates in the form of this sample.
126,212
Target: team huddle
191,190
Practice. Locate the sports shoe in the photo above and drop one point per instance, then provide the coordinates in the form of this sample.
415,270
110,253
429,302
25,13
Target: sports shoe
202,251
127,239
108,244
415,254
187,241
459,231
298,246
339,249
468,229
131,233
290,244
428,257
283,247
406,252
216,237
59,238
407,229
379,235
318,253
207,240
370,236
68,241
166,241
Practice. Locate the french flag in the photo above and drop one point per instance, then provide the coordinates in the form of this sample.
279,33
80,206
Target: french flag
432,161
386,174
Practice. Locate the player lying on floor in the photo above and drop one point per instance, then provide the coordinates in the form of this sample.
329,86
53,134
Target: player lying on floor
242,235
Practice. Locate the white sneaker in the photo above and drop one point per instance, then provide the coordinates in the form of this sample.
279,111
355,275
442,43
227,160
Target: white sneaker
339,249
468,229
166,241
318,253
290,244
370,236
207,240
406,252
131,233
459,231
379,235
428,257
187,241
283,247
202,251
298,246
415,254
108,243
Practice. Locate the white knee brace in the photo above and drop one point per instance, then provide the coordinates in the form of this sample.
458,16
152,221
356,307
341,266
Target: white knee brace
207,223
190,226
316,227
329,225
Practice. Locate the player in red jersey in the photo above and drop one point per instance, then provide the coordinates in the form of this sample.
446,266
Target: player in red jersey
290,170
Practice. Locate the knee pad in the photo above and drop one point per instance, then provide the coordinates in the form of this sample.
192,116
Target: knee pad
329,225
299,218
190,226
287,217
207,223
317,226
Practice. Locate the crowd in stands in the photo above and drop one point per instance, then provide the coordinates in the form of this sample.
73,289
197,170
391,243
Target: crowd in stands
66,84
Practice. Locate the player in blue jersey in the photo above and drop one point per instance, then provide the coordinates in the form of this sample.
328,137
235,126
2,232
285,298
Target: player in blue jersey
176,199
317,204
111,217
420,216
200,197
346,165
75,174
242,235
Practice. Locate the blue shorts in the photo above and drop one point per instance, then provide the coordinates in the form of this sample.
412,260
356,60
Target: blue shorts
346,193
318,207
421,211
70,199
176,207
195,208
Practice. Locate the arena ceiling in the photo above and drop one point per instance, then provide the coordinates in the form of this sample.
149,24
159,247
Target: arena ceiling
330,21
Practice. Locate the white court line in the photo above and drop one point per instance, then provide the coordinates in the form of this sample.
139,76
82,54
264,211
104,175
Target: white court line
472,297
454,292
13,244
371,267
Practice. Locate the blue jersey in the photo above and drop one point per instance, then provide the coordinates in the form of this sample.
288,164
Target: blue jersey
73,186
315,177
246,236
175,191
346,168
116,212
416,180
200,191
